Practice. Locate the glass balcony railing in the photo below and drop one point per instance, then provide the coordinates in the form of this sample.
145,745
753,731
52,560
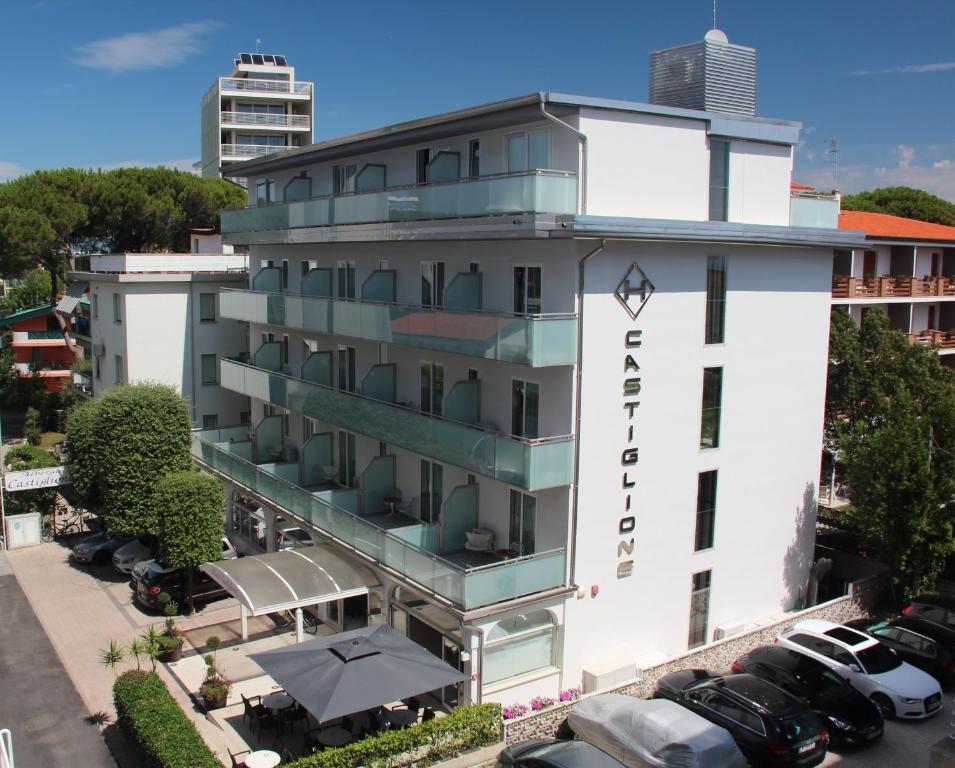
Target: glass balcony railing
535,340
532,192
529,464
222,450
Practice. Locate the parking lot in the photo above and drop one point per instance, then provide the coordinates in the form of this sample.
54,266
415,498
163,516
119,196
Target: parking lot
905,743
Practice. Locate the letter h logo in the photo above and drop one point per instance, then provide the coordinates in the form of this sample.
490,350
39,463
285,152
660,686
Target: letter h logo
634,290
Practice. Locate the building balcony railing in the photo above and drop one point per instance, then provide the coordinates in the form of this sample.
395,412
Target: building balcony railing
226,452
552,192
261,120
887,286
248,151
38,339
529,464
251,85
44,368
931,338
535,340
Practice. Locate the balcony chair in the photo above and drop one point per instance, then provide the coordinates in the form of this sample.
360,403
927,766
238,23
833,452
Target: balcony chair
479,540
328,472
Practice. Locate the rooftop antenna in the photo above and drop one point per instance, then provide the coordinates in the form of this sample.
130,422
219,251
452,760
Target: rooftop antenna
832,155
714,14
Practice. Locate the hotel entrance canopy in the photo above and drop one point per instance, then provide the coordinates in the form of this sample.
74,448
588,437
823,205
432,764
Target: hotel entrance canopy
290,579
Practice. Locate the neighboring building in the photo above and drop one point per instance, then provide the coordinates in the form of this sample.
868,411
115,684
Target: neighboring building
42,346
258,109
906,270
155,317
551,369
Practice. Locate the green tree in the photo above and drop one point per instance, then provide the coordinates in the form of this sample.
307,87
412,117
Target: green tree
903,201
33,291
890,413
42,500
189,511
32,429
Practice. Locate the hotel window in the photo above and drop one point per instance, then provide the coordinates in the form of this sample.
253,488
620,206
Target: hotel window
719,179
210,421
346,369
117,308
432,387
346,459
715,299
474,158
525,407
118,366
299,188
209,369
528,151
705,510
343,179
244,417
432,283
712,395
519,645
527,290
699,608
207,307
284,349
284,274
264,191
425,173
371,177
432,480
346,279
522,523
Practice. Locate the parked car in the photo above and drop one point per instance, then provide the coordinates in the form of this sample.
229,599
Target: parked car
289,535
99,548
849,716
141,548
229,552
155,579
916,647
932,608
769,726
897,688
554,753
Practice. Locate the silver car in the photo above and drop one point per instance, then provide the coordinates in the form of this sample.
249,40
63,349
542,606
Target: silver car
134,552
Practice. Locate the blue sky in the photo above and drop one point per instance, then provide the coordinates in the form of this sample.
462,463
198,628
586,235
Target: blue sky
99,84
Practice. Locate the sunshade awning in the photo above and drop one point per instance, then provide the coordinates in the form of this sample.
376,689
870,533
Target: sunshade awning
71,298
291,578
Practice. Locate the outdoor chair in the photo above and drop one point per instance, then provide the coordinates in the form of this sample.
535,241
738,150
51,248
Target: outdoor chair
295,714
249,709
238,758
428,715
413,704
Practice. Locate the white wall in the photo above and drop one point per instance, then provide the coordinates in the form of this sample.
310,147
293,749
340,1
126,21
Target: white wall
759,183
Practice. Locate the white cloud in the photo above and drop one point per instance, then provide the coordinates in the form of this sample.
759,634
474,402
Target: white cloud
943,164
906,155
10,170
909,69
182,164
938,179
144,50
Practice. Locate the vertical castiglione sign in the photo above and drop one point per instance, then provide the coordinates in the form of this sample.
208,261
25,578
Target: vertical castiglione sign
633,292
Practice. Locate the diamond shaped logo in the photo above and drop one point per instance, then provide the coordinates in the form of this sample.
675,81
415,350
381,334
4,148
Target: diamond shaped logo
634,290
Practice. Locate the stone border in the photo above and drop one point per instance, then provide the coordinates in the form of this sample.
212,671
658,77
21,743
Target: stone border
718,655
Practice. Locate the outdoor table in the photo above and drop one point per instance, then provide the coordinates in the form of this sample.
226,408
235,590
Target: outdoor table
334,737
402,718
263,758
277,701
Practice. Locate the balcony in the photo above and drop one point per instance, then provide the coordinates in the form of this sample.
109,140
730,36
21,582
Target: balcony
889,287
38,339
930,338
228,452
254,86
552,192
529,464
534,340
45,369
249,151
261,120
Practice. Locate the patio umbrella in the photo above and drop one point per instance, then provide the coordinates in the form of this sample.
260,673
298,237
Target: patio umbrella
355,671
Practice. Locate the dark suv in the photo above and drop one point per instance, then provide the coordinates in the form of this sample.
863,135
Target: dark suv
155,579
769,726
932,608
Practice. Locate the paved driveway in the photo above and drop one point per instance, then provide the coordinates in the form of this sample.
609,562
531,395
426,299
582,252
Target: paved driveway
38,701
904,745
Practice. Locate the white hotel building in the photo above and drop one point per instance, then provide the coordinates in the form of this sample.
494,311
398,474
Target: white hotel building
549,372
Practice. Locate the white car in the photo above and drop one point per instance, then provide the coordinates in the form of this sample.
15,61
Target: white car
136,551
134,563
873,669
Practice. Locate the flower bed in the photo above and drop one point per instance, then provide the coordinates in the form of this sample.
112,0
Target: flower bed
538,703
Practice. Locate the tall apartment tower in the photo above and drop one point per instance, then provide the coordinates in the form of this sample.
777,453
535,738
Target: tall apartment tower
258,109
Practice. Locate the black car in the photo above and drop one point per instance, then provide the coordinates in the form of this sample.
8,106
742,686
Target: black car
554,753
156,579
769,726
912,639
849,716
932,608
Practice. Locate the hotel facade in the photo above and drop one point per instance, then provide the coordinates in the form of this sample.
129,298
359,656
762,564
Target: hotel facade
549,372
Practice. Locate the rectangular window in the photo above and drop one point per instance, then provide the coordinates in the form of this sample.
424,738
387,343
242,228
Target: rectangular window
712,395
207,307
432,283
432,481
705,510
284,274
525,406
97,368
523,523
474,267
343,179
117,308
432,387
527,290
244,417
719,179
285,349
309,427
118,365
346,369
474,158
209,369
715,299
516,152
346,459
346,279
528,151
422,158
265,191
210,421
699,608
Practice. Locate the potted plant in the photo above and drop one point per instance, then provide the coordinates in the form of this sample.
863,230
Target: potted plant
171,639
216,687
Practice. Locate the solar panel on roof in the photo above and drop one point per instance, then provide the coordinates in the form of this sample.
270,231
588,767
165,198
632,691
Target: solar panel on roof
257,58
246,58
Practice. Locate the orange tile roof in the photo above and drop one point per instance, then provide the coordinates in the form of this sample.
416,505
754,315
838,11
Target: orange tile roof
797,185
877,225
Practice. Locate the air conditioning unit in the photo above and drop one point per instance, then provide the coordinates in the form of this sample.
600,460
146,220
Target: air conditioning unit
723,631
609,674
99,350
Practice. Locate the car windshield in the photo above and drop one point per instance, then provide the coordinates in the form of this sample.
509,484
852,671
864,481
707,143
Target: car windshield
824,681
805,725
877,659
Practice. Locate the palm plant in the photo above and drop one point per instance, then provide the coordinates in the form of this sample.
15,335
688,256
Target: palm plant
151,646
137,648
112,655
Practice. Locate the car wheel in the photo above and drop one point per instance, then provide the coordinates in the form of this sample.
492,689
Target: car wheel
101,558
885,705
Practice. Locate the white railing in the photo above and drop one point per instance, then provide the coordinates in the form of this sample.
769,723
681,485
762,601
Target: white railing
255,85
6,748
169,262
264,119
251,150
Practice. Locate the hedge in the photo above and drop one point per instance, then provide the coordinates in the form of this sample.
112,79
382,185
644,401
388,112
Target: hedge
162,733
464,730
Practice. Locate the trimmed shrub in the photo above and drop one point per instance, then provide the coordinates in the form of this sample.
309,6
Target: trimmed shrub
464,730
155,723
